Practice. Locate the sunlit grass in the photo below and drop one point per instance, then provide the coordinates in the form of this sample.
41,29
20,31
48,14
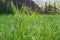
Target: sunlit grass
30,27
22,26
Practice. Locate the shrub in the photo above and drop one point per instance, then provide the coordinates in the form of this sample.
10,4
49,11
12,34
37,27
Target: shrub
5,7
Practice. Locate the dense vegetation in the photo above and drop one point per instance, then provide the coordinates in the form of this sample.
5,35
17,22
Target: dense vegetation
5,7
23,26
29,27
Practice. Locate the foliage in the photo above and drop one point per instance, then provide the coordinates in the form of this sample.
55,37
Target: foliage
29,27
5,7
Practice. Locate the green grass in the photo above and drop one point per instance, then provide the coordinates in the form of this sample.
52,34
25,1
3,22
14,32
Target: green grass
29,27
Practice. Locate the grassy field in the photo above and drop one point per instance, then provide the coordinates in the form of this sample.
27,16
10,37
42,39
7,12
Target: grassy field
29,27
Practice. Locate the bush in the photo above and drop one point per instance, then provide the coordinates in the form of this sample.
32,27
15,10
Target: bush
5,7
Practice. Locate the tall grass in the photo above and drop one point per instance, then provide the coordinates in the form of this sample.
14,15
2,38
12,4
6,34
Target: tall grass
29,27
